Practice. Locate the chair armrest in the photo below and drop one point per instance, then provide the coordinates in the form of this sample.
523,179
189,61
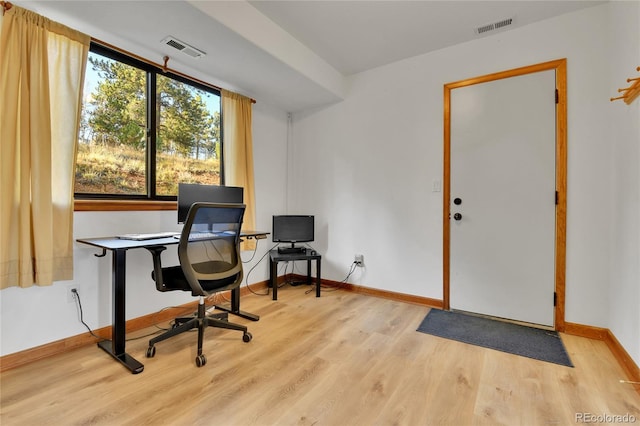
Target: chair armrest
156,275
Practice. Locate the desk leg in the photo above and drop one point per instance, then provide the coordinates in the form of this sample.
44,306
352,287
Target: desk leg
273,278
318,280
116,346
234,307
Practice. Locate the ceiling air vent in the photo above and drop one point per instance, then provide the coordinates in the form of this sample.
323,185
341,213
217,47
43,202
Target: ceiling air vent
183,47
494,26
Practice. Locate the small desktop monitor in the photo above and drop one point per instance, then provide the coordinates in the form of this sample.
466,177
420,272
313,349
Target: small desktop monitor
189,193
293,229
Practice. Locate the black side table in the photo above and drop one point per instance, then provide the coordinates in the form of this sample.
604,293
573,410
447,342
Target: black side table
307,254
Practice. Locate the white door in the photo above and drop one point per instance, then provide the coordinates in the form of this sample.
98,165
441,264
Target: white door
502,175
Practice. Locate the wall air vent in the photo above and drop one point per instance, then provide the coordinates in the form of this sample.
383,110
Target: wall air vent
494,26
183,47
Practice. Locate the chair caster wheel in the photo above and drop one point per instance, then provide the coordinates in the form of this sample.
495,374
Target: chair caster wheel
246,337
151,351
201,360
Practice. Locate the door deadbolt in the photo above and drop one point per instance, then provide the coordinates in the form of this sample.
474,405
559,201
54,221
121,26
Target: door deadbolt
457,201
457,216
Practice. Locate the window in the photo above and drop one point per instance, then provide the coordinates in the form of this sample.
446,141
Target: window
144,131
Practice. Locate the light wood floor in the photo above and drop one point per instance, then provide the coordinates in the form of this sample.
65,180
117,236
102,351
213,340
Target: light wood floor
342,359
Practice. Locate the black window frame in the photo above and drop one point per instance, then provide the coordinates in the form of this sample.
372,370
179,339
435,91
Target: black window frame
150,164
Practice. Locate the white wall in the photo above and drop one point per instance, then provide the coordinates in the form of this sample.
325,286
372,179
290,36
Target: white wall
365,167
39,315
624,140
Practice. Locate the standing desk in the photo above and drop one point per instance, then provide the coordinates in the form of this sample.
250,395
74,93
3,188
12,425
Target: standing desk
308,254
118,248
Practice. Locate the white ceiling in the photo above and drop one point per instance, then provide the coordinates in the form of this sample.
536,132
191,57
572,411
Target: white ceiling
355,36
292,54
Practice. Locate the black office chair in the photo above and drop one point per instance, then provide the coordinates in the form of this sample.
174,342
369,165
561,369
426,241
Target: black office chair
210,262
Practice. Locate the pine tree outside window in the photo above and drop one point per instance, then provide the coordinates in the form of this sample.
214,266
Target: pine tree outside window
143,131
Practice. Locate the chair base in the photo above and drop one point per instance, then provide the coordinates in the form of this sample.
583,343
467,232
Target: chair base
200,321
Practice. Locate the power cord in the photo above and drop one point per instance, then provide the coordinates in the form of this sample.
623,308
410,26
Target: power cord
254,267
79,304
255,250
352,269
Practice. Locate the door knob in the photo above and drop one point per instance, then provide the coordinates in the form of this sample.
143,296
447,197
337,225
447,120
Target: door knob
457,216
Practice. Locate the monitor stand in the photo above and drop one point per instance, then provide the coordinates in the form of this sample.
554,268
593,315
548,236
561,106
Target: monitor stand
291,250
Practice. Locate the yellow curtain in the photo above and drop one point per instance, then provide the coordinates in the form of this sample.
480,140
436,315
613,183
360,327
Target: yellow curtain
238,152
42,66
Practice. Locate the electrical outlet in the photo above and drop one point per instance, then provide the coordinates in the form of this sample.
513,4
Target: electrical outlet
71,295
358,260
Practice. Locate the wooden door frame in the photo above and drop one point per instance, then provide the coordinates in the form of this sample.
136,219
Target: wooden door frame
560,67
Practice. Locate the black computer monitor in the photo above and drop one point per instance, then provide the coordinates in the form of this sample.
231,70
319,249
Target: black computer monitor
189,193
292,229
